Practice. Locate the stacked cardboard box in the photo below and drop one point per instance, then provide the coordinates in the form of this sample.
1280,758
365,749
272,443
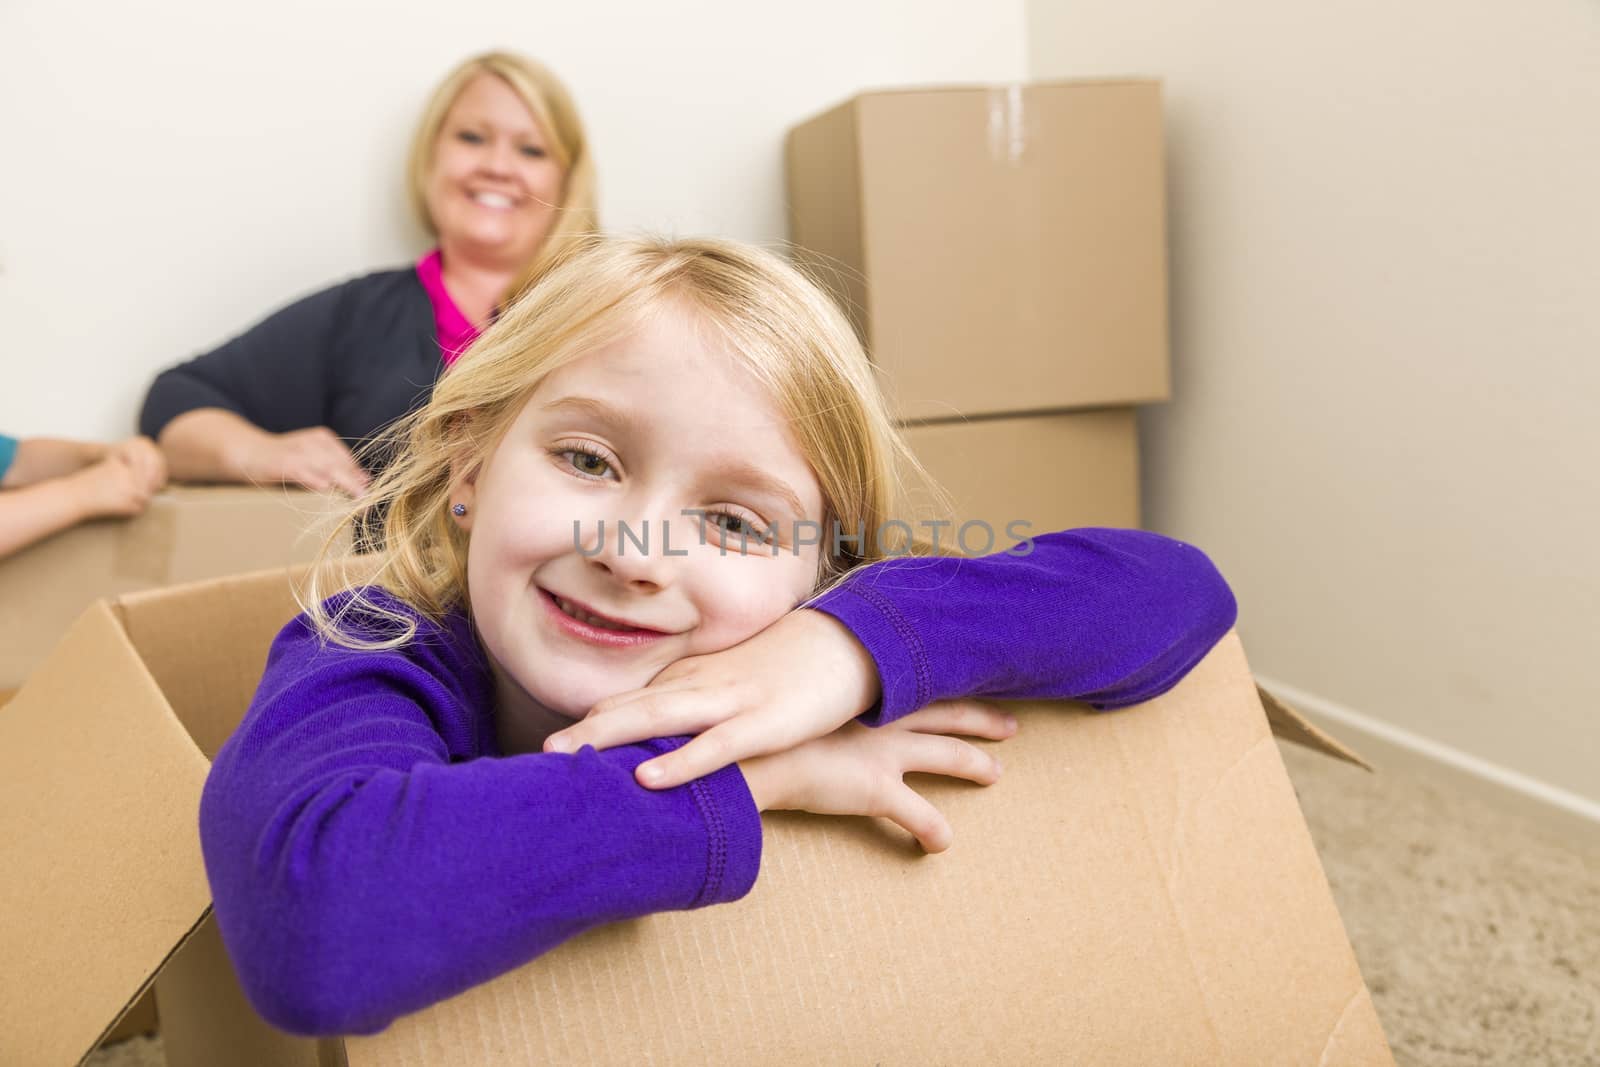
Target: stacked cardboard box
1002,253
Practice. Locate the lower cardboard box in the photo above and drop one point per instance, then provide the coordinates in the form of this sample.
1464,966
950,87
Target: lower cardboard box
1140,888
186,534
1051,472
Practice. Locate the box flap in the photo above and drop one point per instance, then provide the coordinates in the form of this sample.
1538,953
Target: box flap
99,785
205,644
1139,888
1290,725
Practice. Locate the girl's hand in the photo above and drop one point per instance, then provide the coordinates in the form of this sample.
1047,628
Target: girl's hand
800,678
111,487
860,771
144,459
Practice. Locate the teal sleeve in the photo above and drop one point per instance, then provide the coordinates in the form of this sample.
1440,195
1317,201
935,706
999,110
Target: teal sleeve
8,452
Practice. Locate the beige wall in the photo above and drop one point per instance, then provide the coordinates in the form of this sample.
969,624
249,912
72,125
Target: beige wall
1386,330
173,170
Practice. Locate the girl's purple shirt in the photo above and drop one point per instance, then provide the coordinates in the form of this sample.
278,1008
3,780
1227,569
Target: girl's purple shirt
371,853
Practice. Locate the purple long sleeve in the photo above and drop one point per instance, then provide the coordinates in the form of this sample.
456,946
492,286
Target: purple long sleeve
1109,617
369,855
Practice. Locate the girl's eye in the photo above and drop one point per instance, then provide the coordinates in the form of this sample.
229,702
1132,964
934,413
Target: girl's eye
740,526
588,464
533,151
469,136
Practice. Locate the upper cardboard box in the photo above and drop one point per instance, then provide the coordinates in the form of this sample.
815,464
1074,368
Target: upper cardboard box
1000,249
186,534
1140,888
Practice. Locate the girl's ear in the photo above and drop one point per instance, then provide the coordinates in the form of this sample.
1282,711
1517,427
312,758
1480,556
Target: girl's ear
463,496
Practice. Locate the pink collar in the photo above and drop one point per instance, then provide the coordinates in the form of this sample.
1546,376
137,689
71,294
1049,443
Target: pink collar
454,330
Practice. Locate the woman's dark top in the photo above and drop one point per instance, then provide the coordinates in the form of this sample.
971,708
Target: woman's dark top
353,358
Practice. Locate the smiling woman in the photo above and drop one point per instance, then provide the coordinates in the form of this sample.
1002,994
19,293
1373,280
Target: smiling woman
500,175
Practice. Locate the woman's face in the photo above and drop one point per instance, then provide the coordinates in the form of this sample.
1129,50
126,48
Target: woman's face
495,187
646,432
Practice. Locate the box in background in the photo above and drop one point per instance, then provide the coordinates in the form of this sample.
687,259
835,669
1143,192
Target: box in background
1139,888
186,534
1001,249
1053,472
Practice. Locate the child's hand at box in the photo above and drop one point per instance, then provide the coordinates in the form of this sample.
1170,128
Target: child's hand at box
801,678
860,771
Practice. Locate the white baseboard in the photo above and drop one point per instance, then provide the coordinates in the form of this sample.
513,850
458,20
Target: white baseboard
1436,751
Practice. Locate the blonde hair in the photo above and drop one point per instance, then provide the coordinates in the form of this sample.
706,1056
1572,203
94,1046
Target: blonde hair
544,95
783,329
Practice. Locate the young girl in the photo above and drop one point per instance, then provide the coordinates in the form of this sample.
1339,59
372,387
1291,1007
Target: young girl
48,484
610,508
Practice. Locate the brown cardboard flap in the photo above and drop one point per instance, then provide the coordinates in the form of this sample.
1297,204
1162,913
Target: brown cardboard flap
1139,888
99,786
1290,725
226,624
206,1020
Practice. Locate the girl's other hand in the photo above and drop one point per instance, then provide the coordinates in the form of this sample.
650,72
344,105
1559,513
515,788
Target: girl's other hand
144,458
861,771
111,487
800,678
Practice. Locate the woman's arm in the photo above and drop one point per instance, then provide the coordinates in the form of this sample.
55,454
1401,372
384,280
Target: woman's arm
1111,617
214,445
232,415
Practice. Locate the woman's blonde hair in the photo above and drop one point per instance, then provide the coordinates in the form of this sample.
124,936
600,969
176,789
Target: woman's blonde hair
782,328
544,95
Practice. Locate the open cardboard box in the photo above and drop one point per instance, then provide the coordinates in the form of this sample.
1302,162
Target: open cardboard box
1140,888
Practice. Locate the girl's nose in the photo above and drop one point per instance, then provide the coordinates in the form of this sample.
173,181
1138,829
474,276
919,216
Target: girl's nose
637,553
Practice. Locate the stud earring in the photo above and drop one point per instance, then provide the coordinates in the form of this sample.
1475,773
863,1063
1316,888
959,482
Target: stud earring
458,510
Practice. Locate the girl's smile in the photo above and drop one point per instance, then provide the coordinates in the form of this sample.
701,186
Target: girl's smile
664,425
576,619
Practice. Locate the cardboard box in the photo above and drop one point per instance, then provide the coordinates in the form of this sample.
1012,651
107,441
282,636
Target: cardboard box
1000,249
1054,472
186,534
1140,888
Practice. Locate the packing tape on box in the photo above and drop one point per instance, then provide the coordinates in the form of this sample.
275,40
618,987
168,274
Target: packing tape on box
1008,125
144,555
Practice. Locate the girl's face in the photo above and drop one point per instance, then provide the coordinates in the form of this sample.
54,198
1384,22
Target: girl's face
637,434
495,186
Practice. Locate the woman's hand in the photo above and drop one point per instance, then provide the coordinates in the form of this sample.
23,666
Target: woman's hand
800,678
315,458
860,771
